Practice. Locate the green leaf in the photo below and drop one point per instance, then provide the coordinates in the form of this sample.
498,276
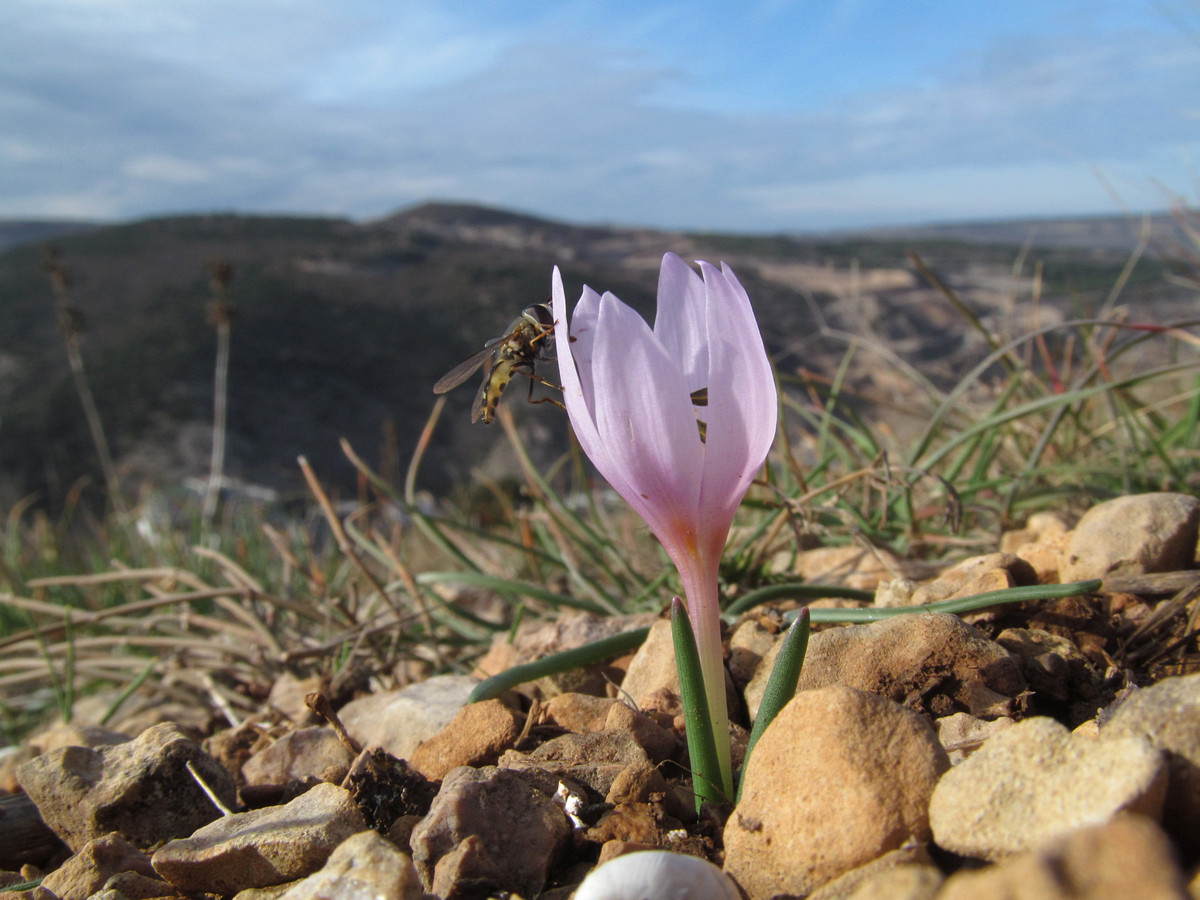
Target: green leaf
702,747
781,685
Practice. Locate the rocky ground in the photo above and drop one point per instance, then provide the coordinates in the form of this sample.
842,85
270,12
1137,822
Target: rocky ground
1049,750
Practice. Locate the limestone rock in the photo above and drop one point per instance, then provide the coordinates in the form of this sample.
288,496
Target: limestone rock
1142,533
851,566
932,662
977,575
140,789
97,861
476,736
400,720
312,752
651,675
595,759
363,867
840,778
1034,782
904,874
264,846
577,712
492,828
962,733
1168,715
1126,857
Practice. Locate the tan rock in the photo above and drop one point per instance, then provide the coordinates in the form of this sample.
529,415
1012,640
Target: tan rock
97,861
962,733
263,846
312,752
934,662
1126,857
398,721
977,575
1034,782
840,778
141,788
1138,534
492,828
851,566
577,712
1168,715
875,879
477,736
363,867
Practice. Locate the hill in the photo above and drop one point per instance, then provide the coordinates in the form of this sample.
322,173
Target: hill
343,327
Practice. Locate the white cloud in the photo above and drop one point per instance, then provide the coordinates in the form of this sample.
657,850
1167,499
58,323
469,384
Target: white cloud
133,106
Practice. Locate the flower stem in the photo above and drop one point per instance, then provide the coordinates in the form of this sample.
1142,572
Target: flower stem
708,782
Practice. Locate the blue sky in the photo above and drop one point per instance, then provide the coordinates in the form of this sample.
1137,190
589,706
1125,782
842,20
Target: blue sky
763,116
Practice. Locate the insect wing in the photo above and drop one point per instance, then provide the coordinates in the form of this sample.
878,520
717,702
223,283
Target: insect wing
464,369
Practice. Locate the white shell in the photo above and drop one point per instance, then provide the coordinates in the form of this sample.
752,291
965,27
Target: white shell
657,875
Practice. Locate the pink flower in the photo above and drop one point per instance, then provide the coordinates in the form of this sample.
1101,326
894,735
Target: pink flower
634,399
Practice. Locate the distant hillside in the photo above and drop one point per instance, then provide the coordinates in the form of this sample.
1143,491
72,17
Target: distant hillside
15,232
343,327
1164,232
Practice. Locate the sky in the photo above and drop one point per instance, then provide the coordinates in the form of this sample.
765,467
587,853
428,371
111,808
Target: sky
761,116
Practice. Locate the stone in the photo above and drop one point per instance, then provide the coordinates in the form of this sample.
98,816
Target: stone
477,735
851,566
492,828
287,697
1034,782
97,861
977,575
934,663
74,734
312,752
577,712
141,789
595,759
263,846
363,867
1128,856
651,674
659,743
904,874
749,642
400,720
840,778
962,734
1064,682
1167,714
1133,535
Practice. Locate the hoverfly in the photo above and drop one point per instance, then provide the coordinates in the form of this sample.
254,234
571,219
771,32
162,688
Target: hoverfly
526,343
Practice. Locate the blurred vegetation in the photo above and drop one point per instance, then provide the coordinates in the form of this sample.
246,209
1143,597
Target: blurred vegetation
378,583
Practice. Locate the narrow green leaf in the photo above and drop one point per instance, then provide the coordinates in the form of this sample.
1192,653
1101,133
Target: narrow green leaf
493,687
702,747
781,685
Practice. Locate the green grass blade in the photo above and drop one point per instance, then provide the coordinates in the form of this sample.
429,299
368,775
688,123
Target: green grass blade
493,687
781,685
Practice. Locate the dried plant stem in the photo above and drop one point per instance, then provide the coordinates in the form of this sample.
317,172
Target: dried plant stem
70,323
221,317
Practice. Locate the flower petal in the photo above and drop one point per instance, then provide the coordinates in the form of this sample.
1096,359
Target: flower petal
681,323
646,422
742,399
